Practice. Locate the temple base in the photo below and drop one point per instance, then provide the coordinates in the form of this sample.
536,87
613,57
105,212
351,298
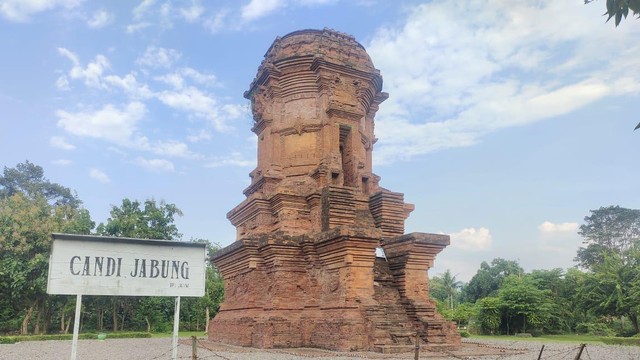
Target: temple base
330,291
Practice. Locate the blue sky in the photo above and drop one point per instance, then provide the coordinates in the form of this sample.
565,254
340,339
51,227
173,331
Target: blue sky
507,120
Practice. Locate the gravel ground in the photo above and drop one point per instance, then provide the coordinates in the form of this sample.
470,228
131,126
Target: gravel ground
160,348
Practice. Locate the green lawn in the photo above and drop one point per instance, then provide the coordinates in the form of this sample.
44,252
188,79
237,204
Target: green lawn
567,338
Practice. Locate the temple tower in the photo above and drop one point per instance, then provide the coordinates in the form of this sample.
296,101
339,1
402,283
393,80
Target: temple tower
303,270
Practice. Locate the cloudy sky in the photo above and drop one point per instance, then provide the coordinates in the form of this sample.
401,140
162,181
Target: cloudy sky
507,120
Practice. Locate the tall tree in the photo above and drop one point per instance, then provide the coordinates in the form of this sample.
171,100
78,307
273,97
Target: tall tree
451,286
488,278
25,241
611,288
489,314
523,303
150,220
611,230
31,208
28,179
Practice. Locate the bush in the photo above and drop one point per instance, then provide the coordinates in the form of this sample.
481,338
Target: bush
537,333
597,329
633,341
7,340
464,333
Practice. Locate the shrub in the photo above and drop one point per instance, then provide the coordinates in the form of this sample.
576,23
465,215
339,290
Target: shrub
464,333
7,340
536,333
597,329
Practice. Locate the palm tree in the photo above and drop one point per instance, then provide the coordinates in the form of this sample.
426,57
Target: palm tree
451,286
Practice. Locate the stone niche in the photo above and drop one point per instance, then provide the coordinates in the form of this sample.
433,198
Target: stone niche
303,270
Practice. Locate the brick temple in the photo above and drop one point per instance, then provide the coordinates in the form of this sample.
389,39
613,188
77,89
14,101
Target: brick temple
303,270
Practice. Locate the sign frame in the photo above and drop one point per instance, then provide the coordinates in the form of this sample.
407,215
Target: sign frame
79,267
118,266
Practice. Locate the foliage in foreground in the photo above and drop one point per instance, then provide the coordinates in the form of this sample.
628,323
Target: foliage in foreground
618,9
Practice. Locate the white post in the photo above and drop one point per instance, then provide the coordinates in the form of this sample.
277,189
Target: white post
76,327
176,323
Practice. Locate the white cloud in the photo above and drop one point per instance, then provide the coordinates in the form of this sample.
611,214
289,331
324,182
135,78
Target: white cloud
109,123
561,239
62,83
549,228
177,79
193,12
130,85
99,176
142,9
216,23
472,239
22,10
259,8
91,75
201,135
201,105
155,165
133,28
69,55
119,126
173,148
156,57
198,77
457,71
100,19
60,143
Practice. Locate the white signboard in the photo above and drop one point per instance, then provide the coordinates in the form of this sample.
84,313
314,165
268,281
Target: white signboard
96,265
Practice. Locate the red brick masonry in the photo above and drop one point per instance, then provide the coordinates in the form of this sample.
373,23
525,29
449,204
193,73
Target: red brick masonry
303,271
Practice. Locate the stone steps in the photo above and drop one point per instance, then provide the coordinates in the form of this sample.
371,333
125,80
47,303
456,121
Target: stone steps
393,328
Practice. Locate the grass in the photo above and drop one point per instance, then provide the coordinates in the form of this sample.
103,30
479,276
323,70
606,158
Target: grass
565,338
81,336
182,334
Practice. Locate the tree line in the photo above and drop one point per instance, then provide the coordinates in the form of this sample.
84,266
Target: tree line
31,208
600,296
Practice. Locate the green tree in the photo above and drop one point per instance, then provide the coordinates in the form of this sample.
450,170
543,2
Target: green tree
620,8
207,306
445,288
150,220
612,287
451,286
489,314
28,179
523,303
463,313
25,240
31,208
611,230
488,278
